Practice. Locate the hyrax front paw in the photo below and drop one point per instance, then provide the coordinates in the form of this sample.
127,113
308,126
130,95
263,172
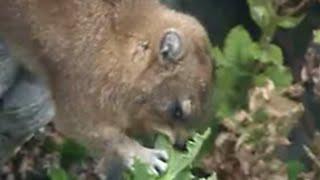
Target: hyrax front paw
154,158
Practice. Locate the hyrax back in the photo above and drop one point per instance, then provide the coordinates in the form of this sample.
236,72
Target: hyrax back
115,67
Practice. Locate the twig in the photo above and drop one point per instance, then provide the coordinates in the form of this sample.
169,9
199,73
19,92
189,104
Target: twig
303,4
312,156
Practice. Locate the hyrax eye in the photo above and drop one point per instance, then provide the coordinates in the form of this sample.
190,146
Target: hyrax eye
171,46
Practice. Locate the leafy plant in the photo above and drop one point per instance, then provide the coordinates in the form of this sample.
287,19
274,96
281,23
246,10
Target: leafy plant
180,163
58,174
244,68
70,153
243,63
265,14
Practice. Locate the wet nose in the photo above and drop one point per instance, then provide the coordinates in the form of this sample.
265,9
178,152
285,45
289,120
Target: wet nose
179,110
180,144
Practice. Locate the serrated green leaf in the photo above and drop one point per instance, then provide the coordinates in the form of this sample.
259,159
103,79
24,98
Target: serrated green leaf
272,54
57,174
179,161
289,21
316,36
237,41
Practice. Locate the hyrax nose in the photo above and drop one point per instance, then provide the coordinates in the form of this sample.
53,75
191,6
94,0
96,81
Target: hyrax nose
180,144
180,110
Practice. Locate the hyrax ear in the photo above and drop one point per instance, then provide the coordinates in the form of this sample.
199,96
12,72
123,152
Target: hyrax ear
171,46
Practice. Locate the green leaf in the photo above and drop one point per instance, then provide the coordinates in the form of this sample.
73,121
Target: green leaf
236,44
316,35
217,54
294,168
224,110
231,88
254,52
289,21
72,152
262,12
272,54
261,16
180,161
260,80
57,174
225,90
185,175
281,76
140,171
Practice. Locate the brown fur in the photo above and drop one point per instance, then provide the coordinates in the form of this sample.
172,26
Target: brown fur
101,58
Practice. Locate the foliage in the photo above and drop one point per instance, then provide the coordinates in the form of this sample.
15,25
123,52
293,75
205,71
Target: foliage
265,15
58,174
294,168
244,63
250,137
257,117
70,153
180,163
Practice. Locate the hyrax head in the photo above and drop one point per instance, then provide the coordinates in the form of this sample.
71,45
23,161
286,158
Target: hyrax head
173,87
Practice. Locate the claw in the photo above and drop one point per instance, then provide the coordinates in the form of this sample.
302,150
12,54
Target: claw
155,159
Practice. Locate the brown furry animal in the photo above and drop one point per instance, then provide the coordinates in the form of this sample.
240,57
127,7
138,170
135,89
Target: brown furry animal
116,68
